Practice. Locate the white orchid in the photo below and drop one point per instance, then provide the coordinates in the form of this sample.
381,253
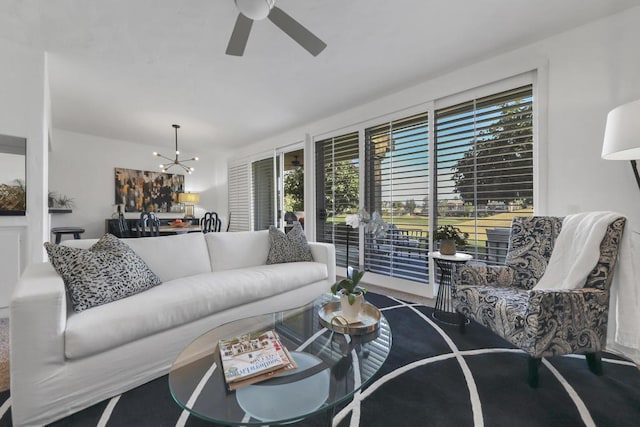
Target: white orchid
372,224
353,221
377,226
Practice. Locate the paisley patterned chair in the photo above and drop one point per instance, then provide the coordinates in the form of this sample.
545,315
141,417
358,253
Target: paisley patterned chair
547,322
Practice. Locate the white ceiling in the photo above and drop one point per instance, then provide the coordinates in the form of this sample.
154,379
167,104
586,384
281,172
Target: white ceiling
128,69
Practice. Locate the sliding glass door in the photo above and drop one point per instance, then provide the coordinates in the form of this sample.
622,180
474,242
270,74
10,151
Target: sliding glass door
484,153
337,195
263,208
397,188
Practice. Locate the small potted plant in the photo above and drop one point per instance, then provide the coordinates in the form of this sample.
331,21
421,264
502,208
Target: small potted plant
351,294
450,237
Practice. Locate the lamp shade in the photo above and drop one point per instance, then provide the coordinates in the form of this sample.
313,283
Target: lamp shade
622,133
189,198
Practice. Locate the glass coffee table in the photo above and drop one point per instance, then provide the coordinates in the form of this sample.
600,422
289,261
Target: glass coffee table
331,368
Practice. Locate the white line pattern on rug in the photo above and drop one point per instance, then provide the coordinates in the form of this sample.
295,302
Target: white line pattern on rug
354,407
5,407
194,396
106,414
357,380
580,406
573,395
476,405
604,359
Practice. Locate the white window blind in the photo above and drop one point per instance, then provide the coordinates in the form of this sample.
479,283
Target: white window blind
239,205
337,194
484,156
263,194
396,185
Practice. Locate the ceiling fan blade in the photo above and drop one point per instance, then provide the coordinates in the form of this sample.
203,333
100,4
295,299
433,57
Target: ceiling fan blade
239,36
296,31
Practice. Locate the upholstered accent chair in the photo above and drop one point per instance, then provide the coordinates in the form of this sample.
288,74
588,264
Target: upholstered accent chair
542,323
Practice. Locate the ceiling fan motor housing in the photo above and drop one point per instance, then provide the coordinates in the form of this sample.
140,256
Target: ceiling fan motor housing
255,9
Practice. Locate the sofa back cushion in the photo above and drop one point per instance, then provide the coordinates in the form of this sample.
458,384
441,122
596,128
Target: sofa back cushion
171,257
229,251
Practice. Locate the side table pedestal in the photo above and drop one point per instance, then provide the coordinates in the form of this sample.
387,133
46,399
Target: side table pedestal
444,311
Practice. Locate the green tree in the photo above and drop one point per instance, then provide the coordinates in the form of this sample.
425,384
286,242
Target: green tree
294,190
501,166
345,185
410,206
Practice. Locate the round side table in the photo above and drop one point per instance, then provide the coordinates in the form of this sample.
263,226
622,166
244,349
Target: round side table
444,311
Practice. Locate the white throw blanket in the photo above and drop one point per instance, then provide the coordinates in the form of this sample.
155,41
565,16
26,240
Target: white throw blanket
576,252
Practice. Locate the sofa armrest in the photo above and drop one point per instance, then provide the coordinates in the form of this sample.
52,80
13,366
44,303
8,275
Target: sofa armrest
563,319
38,313
326,254
480,275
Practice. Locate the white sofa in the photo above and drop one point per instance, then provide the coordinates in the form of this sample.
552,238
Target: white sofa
63,361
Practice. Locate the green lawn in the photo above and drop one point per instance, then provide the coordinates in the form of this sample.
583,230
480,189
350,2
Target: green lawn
476,230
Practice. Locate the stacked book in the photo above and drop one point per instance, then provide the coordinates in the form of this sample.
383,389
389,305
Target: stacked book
255,357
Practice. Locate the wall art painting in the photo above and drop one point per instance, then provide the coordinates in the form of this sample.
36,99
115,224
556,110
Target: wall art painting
148,191
13,168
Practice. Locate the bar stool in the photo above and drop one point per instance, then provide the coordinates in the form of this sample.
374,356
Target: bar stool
59,231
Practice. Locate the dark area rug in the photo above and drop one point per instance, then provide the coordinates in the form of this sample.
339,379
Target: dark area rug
433,376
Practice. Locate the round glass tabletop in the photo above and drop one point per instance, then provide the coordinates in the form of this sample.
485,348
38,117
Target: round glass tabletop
331,368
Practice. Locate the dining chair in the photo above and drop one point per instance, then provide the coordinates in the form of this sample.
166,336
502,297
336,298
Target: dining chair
148,225
211,223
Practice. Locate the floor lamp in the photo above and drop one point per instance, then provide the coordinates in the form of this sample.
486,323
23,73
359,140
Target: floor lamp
622,135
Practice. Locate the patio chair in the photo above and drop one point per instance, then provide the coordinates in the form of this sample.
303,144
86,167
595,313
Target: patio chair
541,322
497,244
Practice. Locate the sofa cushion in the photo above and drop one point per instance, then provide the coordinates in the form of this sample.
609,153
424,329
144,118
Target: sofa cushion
107,271
181,301
290,247
176,256
241,249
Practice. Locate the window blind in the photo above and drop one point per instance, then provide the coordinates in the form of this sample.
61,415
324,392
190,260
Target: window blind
263,194
239,206
484,157
396,186
337,194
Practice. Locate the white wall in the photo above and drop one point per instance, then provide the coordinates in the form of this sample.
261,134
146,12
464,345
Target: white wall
82,167
22,114
583,73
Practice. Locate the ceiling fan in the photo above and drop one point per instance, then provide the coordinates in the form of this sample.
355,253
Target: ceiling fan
256,10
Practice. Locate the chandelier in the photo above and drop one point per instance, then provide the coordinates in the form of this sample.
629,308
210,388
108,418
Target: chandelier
165,167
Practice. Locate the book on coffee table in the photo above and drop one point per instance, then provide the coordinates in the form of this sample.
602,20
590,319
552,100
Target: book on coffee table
251,358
